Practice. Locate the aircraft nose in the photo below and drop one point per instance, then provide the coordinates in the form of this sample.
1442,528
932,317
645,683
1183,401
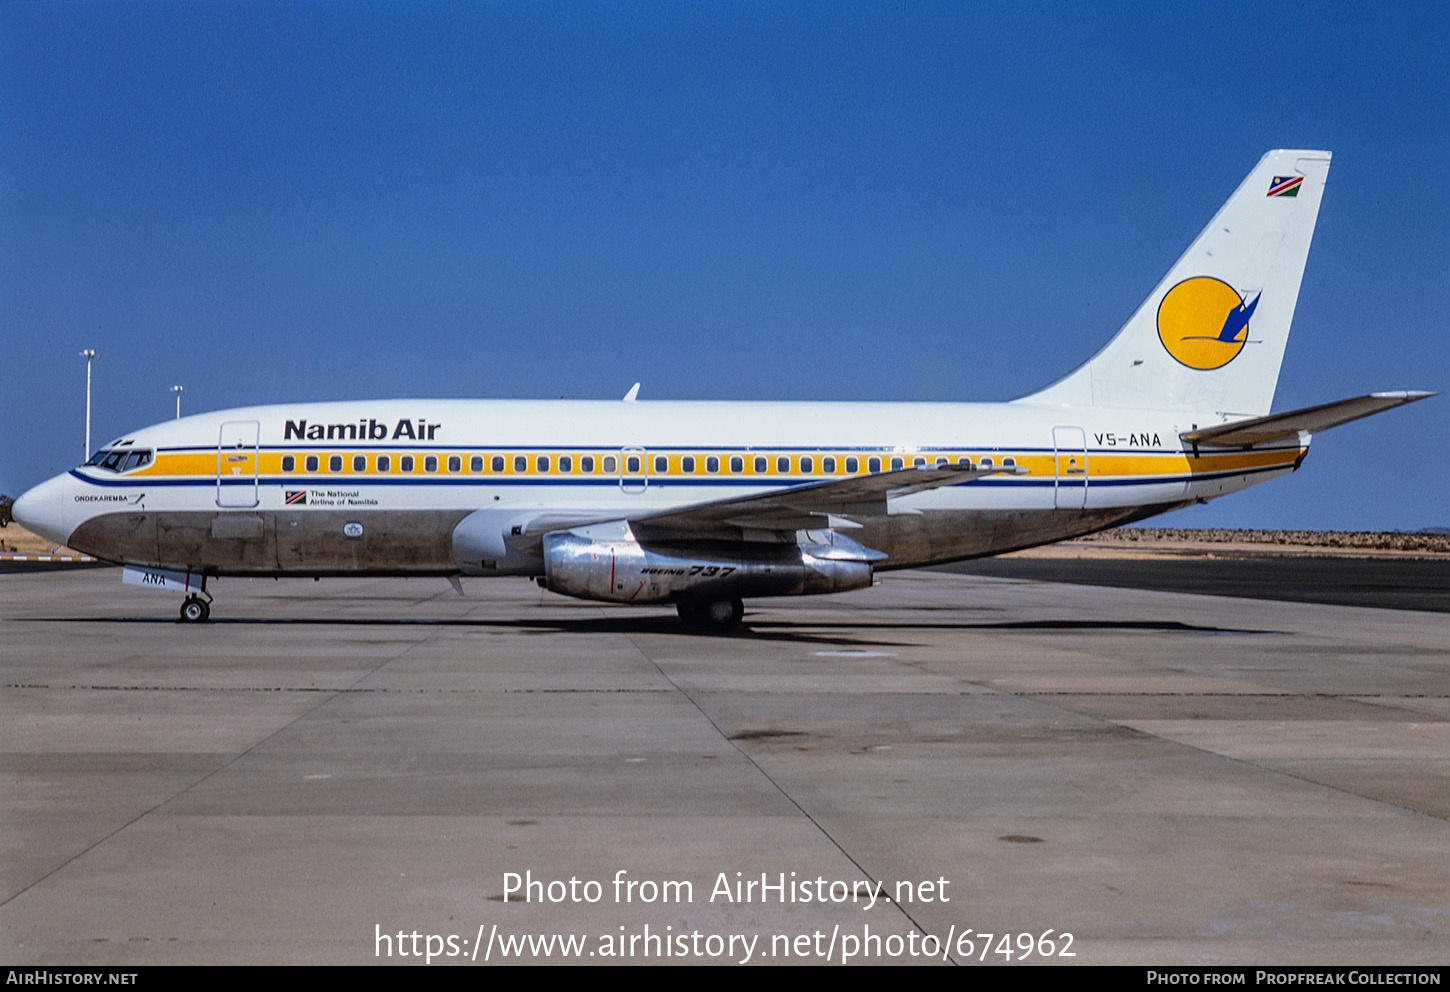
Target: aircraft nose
42,510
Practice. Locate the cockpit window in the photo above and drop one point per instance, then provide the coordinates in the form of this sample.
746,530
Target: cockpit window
119,461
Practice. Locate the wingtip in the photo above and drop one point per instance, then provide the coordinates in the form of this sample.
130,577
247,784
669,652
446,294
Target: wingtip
1407,395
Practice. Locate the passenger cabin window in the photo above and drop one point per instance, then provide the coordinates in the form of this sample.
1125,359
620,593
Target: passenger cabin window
289,463
782,465
712,464
853,465
497,464
808,465
542,463
406,463
874,465
359,463
566,464
610,465
430,463
334,463
941,461
455,464
986,462
1009,462
964,462
687,464
384,463
521,463
631,465
761,465
311,463
919,461
662,464
828,465
898,463
475,464
587,464
737,465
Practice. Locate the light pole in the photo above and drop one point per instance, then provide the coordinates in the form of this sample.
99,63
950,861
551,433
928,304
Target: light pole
89,354
178,390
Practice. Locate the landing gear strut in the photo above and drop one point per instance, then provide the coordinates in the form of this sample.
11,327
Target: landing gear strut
195,608
711,614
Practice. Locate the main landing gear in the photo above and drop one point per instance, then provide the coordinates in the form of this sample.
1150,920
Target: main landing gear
196,608
711,614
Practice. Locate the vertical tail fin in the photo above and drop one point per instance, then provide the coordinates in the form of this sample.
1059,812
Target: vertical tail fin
1210,338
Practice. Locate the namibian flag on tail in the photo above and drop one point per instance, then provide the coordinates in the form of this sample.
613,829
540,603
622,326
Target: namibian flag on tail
1286,185
298,498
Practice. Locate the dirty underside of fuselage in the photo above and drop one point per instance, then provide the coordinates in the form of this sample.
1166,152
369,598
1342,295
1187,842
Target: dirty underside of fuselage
419,542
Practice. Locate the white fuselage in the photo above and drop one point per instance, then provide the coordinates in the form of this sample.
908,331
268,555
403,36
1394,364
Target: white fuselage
379,487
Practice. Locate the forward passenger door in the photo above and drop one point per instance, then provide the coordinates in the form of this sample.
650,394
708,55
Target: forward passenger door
236,464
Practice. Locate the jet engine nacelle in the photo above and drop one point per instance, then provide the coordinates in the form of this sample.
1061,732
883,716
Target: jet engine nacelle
492,542
626,571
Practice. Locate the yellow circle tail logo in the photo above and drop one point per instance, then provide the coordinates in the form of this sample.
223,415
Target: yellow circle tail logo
1204,323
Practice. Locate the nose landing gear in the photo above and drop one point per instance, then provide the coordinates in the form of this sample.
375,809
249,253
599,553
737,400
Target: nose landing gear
196,608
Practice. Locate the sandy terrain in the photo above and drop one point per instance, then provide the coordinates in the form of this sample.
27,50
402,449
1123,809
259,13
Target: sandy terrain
16,540
1154,542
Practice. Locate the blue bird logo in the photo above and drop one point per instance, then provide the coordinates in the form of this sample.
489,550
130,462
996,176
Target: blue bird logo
1203,322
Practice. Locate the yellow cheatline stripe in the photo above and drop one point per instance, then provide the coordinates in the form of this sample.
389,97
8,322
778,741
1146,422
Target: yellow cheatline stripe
1114,466
1099,465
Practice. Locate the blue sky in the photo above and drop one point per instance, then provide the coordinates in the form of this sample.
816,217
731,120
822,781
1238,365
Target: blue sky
273,202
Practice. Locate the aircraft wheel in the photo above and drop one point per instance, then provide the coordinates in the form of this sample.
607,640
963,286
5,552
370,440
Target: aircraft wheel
721,614
195,610
711,614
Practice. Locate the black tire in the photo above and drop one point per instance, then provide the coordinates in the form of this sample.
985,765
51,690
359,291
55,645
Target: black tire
195,610
721,614
724,613
711,614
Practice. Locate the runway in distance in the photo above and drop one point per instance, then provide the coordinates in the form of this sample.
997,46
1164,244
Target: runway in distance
705,504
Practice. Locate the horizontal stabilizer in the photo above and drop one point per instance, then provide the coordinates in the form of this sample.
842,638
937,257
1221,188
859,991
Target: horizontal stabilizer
1311,419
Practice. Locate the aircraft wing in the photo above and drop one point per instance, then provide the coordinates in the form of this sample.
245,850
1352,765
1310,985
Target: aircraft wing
810,505
1312,419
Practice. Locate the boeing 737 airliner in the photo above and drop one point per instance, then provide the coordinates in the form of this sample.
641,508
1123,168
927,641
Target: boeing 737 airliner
705,504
